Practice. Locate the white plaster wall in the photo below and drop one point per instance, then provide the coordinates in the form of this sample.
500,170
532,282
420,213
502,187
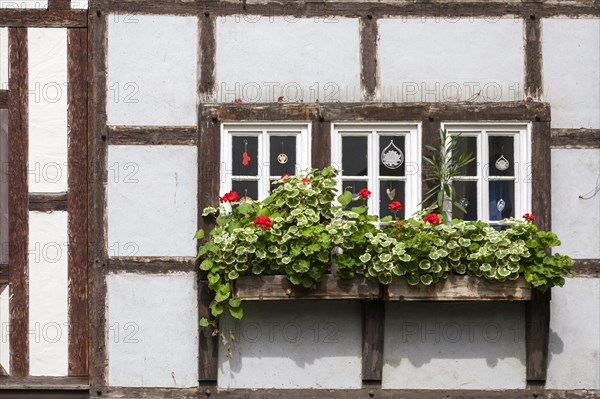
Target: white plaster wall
152,207
47,110
576,172
79,4
575,335
153,330
310,59
3,58
453,61
454,346
18,4
294,345
48,294
152,63
571,71
4,329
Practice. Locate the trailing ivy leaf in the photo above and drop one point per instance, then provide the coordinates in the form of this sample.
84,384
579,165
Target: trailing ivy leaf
216,309
235,302
206,264
204,322
221,297
199,234
236,312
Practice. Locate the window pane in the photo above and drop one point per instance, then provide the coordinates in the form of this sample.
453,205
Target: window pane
354,186
502,159
283,155
502,199
245,156
467,145
354,156
466,196
245,189
391,155
390,191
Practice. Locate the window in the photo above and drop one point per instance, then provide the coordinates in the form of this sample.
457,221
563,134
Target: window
383,157
254,155
498,184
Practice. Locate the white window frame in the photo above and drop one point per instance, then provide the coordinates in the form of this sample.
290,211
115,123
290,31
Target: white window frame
521,131
263,130
412,158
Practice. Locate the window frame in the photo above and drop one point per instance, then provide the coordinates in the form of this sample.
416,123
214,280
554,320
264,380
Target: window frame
522,159
262,130
412,156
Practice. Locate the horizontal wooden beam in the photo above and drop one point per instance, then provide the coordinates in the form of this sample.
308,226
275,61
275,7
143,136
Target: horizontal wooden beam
151,265
278,288
575,138
364,393
42,383
44,394
460,288
323,9
48,202
42,18
152,135
587,267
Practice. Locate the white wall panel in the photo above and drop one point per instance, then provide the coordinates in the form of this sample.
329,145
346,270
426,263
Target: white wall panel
4,331
47,110
571,71
574,357
454,346
153,330
262,58
294,345
48,293
451,59
152,207
152,63
576,172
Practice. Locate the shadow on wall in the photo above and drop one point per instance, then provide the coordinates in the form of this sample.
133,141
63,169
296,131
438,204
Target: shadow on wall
556,345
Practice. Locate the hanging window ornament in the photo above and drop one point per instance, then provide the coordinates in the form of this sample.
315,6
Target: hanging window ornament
392,156
391,193
500,205
502,163
245,199
282,158
464,202
245,157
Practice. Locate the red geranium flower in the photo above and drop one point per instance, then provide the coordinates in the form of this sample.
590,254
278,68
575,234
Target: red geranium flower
305,180
364,193
432,218
529,217
231,196
398,223
262,221
285,176
395,206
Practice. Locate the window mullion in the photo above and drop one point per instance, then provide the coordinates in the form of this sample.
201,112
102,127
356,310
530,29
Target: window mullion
482,173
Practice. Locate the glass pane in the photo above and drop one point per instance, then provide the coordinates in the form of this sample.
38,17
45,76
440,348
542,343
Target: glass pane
354,186
467,145
466,196
354,156
390,191
245,156
502,158
502,199
245,189
283,155
392,155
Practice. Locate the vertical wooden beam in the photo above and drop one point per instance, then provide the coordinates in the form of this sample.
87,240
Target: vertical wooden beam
320,151
533,58
18,201
368,58
373,322
537,337
59,5
541,135
207,51
77,205
97,177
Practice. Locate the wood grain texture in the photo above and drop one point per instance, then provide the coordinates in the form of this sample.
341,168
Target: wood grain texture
41,18
3,273
27,384
207,51
368,57
537,336
48,202
278,288
373,323
320,150
541,194
534,88
151,265
97,177
460,288
18,202
587,267
3,99
78,212
575,138
59,5
152,135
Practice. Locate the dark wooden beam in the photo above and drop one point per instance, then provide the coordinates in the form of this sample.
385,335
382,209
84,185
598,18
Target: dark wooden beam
48,202
77,206
587,267
368,57
151,265
320,152
3,99
3,273
18,202
207,50
55,383
537,337
167,135
575,138
373,323
59,5
41,18
533,58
